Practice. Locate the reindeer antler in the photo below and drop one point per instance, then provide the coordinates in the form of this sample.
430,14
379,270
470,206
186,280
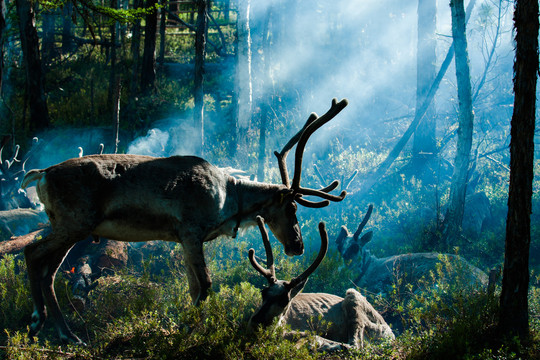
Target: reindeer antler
363,223
318,260
300,139
270,273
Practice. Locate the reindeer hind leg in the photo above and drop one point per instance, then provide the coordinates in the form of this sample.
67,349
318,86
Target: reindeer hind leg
43,260
40,314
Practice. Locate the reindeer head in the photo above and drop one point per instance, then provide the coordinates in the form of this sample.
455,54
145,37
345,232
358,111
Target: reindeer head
277,296
281,217
351,245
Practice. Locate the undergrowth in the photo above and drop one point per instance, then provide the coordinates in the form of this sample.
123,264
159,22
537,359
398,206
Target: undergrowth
147,314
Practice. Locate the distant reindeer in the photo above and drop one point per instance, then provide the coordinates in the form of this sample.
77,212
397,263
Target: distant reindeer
377,275
11,172
342,322
182,199
22,221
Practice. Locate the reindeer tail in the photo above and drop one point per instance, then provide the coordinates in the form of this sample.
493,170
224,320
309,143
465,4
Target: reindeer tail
32,175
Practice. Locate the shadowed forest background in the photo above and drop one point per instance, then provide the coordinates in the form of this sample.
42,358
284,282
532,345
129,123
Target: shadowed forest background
232,81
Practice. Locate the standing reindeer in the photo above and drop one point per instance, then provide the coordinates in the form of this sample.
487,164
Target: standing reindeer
180,198
347,319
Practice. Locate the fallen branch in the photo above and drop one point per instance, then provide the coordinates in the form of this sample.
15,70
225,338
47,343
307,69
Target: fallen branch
17,243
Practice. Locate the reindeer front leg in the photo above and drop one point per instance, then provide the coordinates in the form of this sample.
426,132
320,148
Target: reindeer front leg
197,272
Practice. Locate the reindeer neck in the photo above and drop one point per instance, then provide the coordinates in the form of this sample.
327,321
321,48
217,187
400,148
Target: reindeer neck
252,197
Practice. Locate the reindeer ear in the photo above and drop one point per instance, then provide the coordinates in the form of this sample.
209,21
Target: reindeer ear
366,238
343,233
299,287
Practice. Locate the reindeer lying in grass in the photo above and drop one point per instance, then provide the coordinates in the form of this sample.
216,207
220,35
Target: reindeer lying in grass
377,275
340,322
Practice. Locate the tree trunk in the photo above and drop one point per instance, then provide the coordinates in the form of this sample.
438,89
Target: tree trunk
454,213
47,41
39,113
162,28
2,35
265,95
244,88
514,315
424,143
67,29
135,54
112,66
148,68
200,54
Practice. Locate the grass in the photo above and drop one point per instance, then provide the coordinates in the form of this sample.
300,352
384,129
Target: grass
144,313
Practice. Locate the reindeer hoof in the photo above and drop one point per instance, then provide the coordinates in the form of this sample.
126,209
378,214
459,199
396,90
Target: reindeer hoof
72,339
36,325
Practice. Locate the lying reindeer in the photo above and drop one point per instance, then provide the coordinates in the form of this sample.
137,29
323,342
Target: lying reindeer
181,198
347,319
17,222
377,275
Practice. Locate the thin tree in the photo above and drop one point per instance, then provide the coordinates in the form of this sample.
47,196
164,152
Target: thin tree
265,94
135,53
39,113
2,30
424,143
454,213
148,68
67,28
113,59
48,36
514,314
200,54
162,30
243,84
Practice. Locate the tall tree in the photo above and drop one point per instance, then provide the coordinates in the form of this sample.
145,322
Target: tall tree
148,68
162,28
454,213
424,143
135,53
200,54
514,314
2,29
243,83
265,93
67,28
113,55
39,113
48,36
